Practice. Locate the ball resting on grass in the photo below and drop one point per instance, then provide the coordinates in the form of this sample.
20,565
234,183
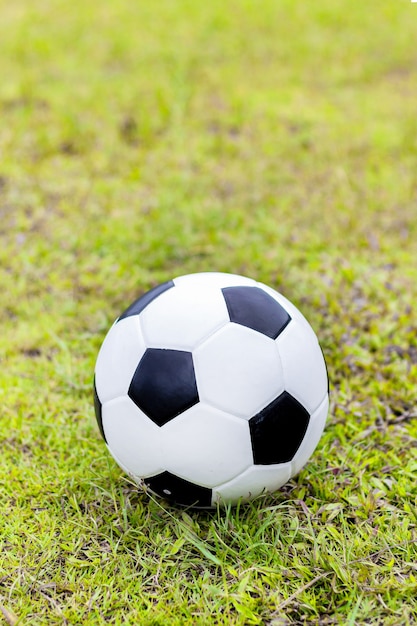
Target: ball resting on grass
211,388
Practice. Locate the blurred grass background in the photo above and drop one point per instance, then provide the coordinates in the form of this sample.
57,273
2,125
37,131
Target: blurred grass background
139,141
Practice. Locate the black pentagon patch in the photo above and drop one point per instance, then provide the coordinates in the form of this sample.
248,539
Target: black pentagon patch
179,491
138,305
278,430
254,308
164,384
97,409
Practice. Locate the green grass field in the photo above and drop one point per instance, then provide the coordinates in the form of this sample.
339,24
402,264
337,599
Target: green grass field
141,141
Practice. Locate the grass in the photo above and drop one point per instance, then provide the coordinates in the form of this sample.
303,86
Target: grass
143,141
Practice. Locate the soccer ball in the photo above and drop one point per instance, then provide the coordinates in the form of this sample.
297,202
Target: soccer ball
211,388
